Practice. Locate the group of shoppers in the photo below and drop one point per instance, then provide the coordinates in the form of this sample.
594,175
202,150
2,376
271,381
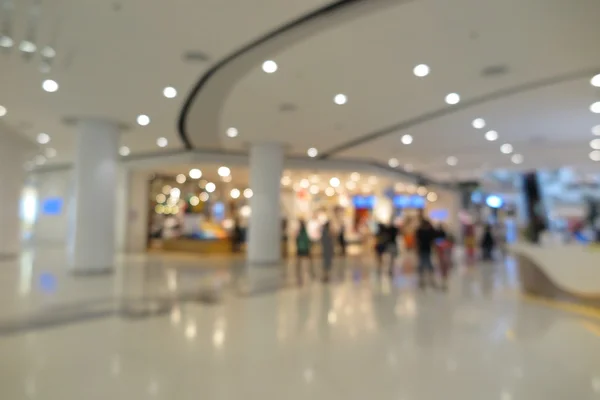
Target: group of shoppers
424,239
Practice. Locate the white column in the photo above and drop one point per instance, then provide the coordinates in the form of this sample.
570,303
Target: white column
92,224
264,235
12,180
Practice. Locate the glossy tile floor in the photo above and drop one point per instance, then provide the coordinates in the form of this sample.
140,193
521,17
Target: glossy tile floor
177,328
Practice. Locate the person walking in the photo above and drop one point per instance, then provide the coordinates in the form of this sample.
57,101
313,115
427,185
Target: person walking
488,243
425,237
303,245
327,250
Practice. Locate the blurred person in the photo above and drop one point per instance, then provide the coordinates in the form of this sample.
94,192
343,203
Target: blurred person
392,245
327,250
303,247
381,242
341,238
443,246
425,237
236,236
488,243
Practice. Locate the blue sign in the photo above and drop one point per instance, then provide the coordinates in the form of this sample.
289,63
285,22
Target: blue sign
409,201
363,202
218,210
494,201
52,206
440,214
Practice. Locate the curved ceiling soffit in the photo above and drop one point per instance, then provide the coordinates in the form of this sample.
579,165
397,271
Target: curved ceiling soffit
208,96
463,105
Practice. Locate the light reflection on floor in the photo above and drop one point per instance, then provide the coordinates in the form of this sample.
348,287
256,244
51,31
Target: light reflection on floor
362,336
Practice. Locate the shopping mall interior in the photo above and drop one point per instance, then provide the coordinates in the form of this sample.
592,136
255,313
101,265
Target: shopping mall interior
229,198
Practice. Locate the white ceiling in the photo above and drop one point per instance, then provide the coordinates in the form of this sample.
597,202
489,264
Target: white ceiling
116,63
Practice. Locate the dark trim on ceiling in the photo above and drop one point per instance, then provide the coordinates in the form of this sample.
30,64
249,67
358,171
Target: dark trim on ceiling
463,105
181,124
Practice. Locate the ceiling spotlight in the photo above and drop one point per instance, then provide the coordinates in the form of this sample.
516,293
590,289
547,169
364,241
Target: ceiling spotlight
411,188
304,183
393,162
27,46
195,173
334,182
232,132
596,130
452,161
452,98
355,176
595,155
421,70
248,193
596,80
506,148
194,201
224,171
286,180
407,139
143,119
340,99
595,144
170,92
235,193
351,185
478,123
312,152
517,159
491,136
422,191
162,142
43,138
595,107
2,111
227,178
330,191
50,152
314,189
6,42
48,52
181,178
432,197
203,196
210,187
50,86
269,66
124,151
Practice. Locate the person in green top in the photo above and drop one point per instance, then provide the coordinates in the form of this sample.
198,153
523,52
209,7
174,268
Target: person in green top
303,245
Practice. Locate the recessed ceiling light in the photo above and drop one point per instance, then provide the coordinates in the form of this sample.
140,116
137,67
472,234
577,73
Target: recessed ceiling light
393,162
334,182
355,176
195,173
596,130
432,197
6,42
595,107
50,152
340,99
517,158
43,138
452,98
286,180
407,139
312,152
595,144
248,193
235,193
350,185
421,70
170,92
478,123
595,155
422,191
2,111
48,52
506,148
181,178
596,80
162,142
203,196
491,136
210,187
224,171
50,86
269,66
314,189
232,132
143,119
330,191
124,151
452,161
27,46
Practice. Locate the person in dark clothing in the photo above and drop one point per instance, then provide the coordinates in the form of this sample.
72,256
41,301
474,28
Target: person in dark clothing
392,246
425,237
303,245
236,236
342,240
380,244
488,243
